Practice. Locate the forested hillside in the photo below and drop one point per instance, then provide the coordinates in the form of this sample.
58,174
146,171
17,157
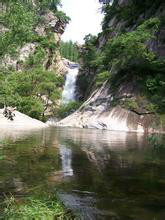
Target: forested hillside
29,43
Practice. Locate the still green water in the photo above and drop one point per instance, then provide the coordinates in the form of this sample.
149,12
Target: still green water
102,175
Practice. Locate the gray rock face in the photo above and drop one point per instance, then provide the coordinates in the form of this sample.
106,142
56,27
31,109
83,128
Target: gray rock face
23,54
50,21
98,112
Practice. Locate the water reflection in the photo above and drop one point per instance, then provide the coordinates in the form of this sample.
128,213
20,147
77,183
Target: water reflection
99,138
103,175
66,159
99,146
116,175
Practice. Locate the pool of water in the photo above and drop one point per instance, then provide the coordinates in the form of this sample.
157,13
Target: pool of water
101,175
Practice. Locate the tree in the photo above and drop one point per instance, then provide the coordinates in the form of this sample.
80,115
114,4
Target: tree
69,50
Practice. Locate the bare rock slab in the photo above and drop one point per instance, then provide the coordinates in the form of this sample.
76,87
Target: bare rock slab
21,122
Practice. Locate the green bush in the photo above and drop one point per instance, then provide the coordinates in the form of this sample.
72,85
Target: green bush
48,4
62,16
25,90
35,59
67,109
20,21
130,104
47,42
31,106
130,48
102,77
155,89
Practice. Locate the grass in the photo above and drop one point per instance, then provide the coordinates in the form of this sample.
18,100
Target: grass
48,208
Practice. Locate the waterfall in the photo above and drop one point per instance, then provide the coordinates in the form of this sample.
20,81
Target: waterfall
68,93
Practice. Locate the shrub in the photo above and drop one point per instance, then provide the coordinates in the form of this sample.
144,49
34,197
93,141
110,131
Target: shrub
67,109
131,48
35,59
91,57
25,90
31,106
130,104
20,21
102,77
62,16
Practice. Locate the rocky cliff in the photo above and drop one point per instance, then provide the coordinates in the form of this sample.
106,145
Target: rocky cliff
52,59
121,80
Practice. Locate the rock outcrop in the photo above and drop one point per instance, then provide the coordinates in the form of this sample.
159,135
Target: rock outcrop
52,60
98,112
23,54
21,122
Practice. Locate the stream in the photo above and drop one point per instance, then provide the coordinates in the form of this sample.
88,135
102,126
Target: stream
99,174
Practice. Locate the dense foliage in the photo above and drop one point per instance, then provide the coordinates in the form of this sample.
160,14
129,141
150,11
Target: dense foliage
69,51
131,48
66,109
19,21
31,91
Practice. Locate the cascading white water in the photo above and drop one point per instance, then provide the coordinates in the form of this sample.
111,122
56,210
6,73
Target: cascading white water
68,93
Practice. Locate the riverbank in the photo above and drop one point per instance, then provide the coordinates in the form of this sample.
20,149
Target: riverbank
21,122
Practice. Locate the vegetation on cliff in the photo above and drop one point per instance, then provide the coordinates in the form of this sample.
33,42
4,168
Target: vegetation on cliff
128,50
25,75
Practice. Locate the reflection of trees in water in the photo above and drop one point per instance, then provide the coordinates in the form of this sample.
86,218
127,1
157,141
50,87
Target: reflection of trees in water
99,145
28,162
117,171
127,180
